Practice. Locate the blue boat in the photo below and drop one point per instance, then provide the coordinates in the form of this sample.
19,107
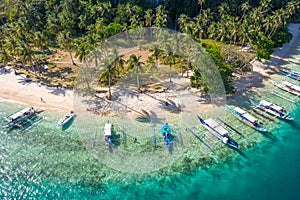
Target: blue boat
272,109
166,133
293,75
218,131
246,118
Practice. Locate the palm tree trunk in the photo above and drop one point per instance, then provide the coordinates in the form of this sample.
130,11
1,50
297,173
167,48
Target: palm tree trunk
170,73
137,78
109,87
72,58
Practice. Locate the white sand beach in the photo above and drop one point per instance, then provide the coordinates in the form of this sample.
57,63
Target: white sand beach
15,88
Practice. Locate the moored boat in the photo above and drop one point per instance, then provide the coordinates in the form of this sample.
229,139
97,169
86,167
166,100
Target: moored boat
296,61
272,109
166,133
246,118
107,133
288,87
65,119
19,116
293,74
217,130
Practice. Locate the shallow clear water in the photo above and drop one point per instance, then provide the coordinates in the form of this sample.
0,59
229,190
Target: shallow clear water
46,162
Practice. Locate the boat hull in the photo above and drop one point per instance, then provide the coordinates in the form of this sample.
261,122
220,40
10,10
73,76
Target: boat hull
245,121
19,120
229,141
281,115
65,119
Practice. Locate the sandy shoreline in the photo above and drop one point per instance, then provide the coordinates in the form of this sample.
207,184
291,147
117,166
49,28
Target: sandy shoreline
263,70
15,88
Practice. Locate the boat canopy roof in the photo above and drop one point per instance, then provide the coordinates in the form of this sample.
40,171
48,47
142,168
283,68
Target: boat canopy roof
265,103
239,110
20,113
276,107
296,87
107,129
212,123
287,83
250,117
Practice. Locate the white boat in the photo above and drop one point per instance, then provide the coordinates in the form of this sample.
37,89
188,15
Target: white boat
272,109
247,118
19,116
287,86
217,130
296,60
65,119
107,133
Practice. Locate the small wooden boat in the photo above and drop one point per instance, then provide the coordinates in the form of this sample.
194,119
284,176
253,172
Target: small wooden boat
218,131
166,133
65,119
272,109
246,118
293,74
288,87
107,133
19,116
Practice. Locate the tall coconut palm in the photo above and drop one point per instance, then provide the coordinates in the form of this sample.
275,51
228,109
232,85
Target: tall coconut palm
117,61
151,65
201,2
160,17
169,59
65,42
148,17
135,63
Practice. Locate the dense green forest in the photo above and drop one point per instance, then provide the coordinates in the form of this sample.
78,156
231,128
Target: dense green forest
31,29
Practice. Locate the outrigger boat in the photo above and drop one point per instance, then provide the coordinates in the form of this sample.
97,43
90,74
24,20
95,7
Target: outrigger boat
166,133
296,61
287,86
19,116
218,131
246,118
65,119
293,74
272,109
107,133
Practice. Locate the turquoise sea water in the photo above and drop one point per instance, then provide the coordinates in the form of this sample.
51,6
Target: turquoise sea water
46,162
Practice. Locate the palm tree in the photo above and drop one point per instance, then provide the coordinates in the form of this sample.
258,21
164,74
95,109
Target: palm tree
135,63
5,57
117,61
160,17
245,7
169,59
151,65
65,42
107,74
201,2
183,21
148,17
156,53
81,50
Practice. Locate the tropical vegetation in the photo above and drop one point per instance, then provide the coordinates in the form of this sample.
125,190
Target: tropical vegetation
31,30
